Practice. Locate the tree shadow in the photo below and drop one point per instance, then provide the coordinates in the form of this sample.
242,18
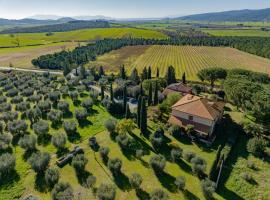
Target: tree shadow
144,163
184,166
77,103
40,183
67,115
82,176
128,153
84,123
167,181
122,181
183,139
9,179
44,140
27,154
189,196
142,195
146,147
57,125
74,137
61,152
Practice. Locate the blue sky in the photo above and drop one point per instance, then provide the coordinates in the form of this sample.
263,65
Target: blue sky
122,8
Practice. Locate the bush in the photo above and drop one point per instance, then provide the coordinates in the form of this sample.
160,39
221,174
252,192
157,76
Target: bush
135,180
175,130
257,146
246,176
17,127
156,141
198,165
63,106
70,127
176,154
115,165
158,162
28,142
180,182
7,164
39,162
52,176
62,191
79,162
106,192
158,194
55,116
5,140
81,114
90,181
59,140
104,152
139,153
123,140
208,188
41,128
188,155
110,125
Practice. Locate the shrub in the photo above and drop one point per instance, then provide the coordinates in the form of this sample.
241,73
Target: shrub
7,164
28,142
54,96
198,165
63,106
175,130
106,192
70,127
90,181
246,176
176,154
123,140
110,125
257,146
158,162
139,153
62,191
5,140
17,127
158,194
81,114
104,152
135,180
52,176
79,162
156,141
23,106
188,155
180,182
55,116
208,188
39,161
115,165
59,140
88,104
41,128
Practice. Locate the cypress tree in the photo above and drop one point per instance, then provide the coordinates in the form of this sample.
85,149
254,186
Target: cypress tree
128,113
144,74
170,76
139,111
213,170
102,92
111,93
156,94
150,95
149,73
184,81
157,73
141,90
123,72
66,69
82,72
134,76
125,97
143,120
101,72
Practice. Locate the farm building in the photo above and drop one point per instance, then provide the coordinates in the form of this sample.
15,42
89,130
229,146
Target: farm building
200,112
181,88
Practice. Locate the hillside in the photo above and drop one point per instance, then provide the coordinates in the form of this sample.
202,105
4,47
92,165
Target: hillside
31,22
236,15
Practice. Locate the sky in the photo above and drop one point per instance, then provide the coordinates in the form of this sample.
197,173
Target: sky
16,9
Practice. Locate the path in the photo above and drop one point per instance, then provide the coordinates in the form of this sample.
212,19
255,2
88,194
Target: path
31,70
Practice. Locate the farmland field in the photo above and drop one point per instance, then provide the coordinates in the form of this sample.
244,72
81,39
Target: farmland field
238,32
21,57
25,39
187,59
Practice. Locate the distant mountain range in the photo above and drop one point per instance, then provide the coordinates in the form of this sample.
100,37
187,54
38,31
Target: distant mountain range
235,15
57,17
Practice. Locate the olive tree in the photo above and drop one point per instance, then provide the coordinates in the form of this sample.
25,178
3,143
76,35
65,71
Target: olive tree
59,140
63,106
106,192
5,140
198,165
54,96
180,182
104,152
158,163
135,180
34,115
81,114
62,191
257,146
110,125
28,142
88,104
7,164
176,154
17,127
115,165
79,162
55,116
41,128
158,194
52,176
70,127
208,188
39,161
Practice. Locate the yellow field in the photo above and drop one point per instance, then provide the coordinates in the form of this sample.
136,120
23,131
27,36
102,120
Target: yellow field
187,59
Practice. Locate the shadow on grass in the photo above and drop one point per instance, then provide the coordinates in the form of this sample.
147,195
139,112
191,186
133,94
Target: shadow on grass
184,166
167,181
74,137
9,179
144,163
27,154
84,123
183,139
57,125
146,147
76,103
142,195
67,115
82,176
189,196
61,152
44,140
40,183
122,181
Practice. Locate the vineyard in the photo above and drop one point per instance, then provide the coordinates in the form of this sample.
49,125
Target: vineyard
237,32
188,59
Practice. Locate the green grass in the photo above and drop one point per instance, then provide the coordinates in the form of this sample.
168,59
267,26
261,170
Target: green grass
188,59
78,35
238,32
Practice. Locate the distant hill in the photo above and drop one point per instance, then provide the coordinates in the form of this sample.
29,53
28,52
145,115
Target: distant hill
236,15
68,26
32,22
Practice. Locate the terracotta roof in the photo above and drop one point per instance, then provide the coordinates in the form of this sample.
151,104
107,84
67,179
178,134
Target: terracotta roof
199,106
177,87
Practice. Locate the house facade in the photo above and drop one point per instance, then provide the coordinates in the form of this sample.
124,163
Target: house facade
200,112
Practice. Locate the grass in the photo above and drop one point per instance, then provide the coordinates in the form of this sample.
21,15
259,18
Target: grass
238,32
187,59
21,57
79,35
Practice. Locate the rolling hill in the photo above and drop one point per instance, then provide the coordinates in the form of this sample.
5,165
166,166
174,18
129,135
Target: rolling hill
235,15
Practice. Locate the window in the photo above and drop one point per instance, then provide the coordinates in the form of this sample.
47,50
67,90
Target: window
190,118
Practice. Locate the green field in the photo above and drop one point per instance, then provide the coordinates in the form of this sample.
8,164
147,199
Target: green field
187,59
237,32
78,35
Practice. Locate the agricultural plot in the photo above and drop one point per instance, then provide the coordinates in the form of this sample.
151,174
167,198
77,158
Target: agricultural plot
22,57
188,59
7,40
237,32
